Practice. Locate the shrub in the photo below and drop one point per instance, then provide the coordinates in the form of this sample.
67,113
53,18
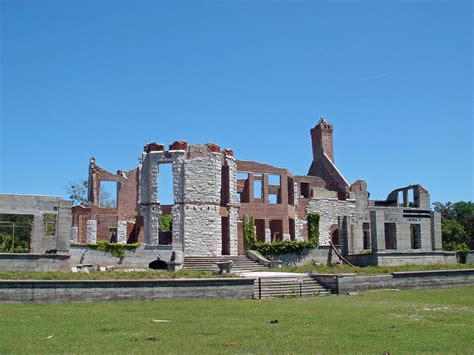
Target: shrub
166,223
313,228
250,234
114,249
284,246
463,250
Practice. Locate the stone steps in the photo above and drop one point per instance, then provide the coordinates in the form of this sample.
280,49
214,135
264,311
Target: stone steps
288,287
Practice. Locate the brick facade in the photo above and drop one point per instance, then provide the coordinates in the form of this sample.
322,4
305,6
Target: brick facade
213,191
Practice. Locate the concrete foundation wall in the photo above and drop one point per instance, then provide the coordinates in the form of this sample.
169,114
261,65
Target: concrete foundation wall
470,258
124,290
343,283
135,258
34,262
403,258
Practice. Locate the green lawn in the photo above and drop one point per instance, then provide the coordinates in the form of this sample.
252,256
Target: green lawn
370,270
373,322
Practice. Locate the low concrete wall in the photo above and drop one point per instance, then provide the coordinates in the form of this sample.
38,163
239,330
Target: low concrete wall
34,262
135,258
470,257
403,258
24,291
319,255
343,283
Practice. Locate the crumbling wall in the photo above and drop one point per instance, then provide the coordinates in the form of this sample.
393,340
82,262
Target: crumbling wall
202,222
232,203
38,206
329,211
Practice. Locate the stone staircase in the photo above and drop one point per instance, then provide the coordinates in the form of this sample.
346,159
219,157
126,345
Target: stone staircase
303,286
209,263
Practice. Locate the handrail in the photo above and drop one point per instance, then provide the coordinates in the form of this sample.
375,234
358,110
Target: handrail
256,256
344,260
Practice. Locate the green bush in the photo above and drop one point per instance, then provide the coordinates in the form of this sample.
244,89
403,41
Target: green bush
284,246
8,245
166,223
250,234
114,249
463,250
313,228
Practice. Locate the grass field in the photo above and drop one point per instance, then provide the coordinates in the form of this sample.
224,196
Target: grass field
373,322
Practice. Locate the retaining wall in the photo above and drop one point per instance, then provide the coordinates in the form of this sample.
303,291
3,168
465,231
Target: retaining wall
319,255
25,291
395,258
135,258
34,262
343,283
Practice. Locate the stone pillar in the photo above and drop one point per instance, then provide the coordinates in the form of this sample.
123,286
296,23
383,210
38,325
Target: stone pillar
436,241
233,204
177,210
91,234
343,226
150,208
377,230
122,232
73,234
37,233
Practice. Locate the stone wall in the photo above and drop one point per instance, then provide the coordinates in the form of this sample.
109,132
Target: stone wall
343,283
134,258
124,290
395,258
201,199
329,211
34,262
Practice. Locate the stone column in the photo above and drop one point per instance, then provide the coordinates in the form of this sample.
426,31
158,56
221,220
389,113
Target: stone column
37,234
177,210
122,232
73,235
377,230
436,243
233,204
91,236
149,196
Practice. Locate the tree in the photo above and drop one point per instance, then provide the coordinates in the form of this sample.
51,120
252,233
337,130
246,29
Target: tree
78,194
461,212
453,233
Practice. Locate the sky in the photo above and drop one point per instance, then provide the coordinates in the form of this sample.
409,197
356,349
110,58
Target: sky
101,78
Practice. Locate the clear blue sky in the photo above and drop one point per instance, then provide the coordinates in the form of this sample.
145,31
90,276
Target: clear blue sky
102,78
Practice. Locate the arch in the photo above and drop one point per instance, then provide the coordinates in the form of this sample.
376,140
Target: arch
334,234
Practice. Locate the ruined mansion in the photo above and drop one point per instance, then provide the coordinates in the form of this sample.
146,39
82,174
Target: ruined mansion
213,191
